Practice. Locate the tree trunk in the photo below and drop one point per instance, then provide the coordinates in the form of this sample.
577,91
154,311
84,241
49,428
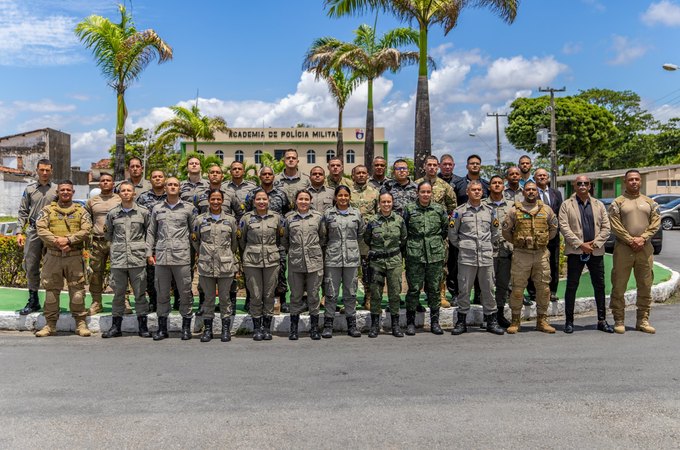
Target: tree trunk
422,145
121,115
368,138
341,144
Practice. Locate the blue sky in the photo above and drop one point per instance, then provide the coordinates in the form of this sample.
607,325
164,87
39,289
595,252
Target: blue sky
244,59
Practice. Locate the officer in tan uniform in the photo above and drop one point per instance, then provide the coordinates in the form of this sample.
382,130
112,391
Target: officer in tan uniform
98,207
364,198
63,226
634,220
529,225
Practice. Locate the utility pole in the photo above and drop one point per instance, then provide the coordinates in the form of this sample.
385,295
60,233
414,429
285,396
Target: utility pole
553,135
498,140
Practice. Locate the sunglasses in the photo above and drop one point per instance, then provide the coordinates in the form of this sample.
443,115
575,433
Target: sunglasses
582,183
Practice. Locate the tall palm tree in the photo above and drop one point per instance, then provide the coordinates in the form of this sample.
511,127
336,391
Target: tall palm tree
426,13
367,57
122,53
190,124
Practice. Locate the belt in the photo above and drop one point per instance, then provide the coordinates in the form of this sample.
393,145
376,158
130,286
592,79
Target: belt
62,254
383,255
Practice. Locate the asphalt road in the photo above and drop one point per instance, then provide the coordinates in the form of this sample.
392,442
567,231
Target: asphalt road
670,251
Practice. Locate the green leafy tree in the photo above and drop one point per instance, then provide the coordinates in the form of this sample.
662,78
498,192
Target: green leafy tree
121,53
268,160
141,143
665,144
190,124
426,13
206,161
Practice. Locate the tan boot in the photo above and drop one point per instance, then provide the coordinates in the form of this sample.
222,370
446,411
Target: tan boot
515,324
81,328
442,296
642,323
95,307
367,301
48,330
619,325
543,325
277,307
128,306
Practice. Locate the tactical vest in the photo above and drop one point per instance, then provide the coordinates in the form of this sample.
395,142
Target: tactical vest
531,229
65,221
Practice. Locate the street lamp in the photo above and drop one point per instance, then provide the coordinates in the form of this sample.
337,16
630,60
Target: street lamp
670,67
498,154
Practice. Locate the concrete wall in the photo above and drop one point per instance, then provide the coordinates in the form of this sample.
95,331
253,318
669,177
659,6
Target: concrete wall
12,188
36,145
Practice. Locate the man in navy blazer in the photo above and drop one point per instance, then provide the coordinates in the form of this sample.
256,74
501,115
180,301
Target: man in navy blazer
553,198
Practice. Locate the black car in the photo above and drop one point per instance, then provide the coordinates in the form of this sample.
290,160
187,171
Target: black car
657,239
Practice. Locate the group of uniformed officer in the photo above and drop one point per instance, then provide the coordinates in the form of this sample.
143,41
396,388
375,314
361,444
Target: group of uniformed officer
328,233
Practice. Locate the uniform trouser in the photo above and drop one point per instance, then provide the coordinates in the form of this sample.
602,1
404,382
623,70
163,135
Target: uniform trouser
347,276
164,277
530,264
452,270
33,249
574,269
418,273
55,270
175,286
301,282
136,276
282,284
393,279
151,282
365,282
625,260
262,283
554,249
211,286
501,268
466,281
99,254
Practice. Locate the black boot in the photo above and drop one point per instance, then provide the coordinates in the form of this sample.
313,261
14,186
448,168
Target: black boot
207,330
267,328
461,325
162,332
492,325
314,327
114,331
396,329
226,330
434,321
410,323
352,327
293,334
143,329
232,298
327,332
33,304
284,306
375,326
186,328
500,318
257,329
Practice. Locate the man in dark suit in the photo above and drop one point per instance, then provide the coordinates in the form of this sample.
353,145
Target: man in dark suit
553,198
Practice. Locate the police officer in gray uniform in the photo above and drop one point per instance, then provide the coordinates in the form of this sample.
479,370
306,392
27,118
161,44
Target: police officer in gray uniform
37,195
167,247
125,228
473,229
322,195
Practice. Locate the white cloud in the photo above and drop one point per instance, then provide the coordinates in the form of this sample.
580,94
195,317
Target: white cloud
42,106
664,12
90,146
626,50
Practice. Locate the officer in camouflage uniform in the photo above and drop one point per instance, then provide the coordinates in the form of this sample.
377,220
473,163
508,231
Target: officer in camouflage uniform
37,195
63,226
403,190
322,196
125,230
386,237
474,230
291,179
529,225
426,225
365,199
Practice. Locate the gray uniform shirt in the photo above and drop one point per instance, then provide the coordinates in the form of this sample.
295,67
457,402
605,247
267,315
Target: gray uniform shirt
168,235
237,196
322,198
474,229
36,197
216,242
302,241
344,232
259,238
126,230
502,248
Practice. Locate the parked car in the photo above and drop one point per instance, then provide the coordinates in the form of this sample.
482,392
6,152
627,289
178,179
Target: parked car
670,214
664,199
657,239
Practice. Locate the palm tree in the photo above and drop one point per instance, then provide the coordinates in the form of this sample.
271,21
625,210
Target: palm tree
367,58
190,124
122,53
426,13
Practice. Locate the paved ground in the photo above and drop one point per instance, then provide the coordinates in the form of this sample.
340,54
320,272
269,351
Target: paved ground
670,252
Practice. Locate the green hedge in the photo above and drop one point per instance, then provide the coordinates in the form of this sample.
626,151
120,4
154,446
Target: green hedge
11,257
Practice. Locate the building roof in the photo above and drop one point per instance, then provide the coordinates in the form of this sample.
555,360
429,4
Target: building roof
4,169
615,173
104,163
29,132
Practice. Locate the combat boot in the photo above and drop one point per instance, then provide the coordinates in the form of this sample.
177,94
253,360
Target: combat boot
515,324
81,328
314,327
257,329
375,326
95,306
352,330
162,332
294,321
543,325
114,331
267,328
327,332
442,295
50,329
33,304
410,323
642,323
396,329
367,301
225,336
186,328
500,318
143,327
207,330
461,325
434,322
492,325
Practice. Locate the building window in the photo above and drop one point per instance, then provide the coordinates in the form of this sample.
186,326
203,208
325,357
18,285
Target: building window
258,156
330,154
200,152
349,157
311,157
662,183
278,154
220,154
238,156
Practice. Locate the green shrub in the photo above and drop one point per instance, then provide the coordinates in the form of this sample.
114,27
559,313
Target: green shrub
11,257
